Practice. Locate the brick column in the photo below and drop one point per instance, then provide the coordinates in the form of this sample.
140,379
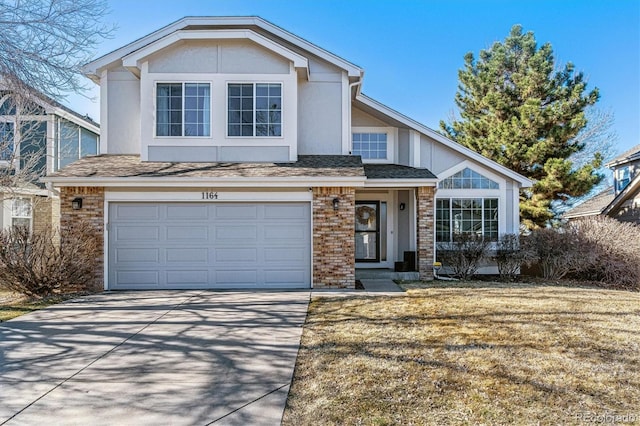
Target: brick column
425,224
334,264
92,211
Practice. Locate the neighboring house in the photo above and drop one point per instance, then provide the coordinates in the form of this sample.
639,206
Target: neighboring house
238,155
620,201
37,136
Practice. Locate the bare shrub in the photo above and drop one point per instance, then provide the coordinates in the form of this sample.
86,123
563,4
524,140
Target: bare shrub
616,251
559,252
464,254
36,264
510,255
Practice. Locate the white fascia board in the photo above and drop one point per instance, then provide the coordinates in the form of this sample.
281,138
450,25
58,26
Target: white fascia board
399,183
524,182
132,61
70,117
294,182
24,191
93,69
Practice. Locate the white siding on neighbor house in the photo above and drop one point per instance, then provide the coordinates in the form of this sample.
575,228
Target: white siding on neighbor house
320,117
120,112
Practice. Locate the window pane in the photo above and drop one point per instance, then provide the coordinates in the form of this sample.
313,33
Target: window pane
268,108
240,109
169,109
68,146
468,179
6,141
196,114
88,143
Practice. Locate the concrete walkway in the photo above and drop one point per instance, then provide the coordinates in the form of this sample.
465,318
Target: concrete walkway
372,287
166,357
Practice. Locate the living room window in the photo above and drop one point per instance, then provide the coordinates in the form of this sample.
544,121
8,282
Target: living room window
183,109
21,212
254,109
466,215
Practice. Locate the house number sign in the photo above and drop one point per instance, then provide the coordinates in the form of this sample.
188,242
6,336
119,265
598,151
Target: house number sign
209,195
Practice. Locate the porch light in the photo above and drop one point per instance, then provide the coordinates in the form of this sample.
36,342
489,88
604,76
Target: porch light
76,204
336,203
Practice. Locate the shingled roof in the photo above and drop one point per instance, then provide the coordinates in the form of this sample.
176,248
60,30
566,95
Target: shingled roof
130,166
396,171
593,206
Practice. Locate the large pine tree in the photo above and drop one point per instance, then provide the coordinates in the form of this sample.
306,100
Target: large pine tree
518,110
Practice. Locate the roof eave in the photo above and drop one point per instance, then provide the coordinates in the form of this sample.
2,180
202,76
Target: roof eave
399,183
206,182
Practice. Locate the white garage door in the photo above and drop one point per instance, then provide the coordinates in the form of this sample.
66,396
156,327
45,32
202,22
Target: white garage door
209,245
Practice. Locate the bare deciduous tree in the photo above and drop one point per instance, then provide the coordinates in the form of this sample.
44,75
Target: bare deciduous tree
44,43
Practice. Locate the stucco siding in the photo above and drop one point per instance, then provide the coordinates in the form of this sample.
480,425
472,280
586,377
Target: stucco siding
123,109
319,118
360,118
403,147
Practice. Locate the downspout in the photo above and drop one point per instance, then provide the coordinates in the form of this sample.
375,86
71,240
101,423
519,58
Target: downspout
351,86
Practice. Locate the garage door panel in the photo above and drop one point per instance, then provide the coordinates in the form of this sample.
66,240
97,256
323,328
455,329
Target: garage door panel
237,276
209,245
137,233
236,212
235,255
285,232
181,277
285,277
187,255
286,212
237,233
137,278
137,211
137,255
285,254
189,233
189,212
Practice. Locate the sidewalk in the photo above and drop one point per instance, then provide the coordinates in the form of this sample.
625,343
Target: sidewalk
372,287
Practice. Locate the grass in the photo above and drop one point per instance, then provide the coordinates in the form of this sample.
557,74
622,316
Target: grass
13,305
465,353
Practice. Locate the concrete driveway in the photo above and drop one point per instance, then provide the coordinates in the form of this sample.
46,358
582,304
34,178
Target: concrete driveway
170,357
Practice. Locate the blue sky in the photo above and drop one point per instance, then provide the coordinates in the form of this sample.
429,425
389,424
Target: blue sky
411,50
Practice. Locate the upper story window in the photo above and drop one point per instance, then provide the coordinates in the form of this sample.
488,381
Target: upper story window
183,109
623,177
21,212
254,109
6,141
72,143
468,179
370,146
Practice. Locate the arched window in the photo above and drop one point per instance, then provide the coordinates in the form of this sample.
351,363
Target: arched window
468,179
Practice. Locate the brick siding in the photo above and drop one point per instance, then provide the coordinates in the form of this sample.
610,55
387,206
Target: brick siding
92,211
426,196
333,238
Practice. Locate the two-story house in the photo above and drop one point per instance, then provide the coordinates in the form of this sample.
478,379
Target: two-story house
238,155
37,136
620,201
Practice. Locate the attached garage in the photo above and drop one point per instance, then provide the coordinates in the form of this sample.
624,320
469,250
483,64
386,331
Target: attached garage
219,245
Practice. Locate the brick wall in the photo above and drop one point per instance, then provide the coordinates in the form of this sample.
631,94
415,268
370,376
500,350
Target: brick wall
42,214
92,211
425,200
333,238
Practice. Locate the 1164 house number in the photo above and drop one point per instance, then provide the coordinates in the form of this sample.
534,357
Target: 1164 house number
209,195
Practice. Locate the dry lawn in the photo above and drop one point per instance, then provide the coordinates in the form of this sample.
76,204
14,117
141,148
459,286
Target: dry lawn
487,355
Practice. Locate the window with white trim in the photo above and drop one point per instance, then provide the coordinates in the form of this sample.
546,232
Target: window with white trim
73,142
183,109
466,216
21,212
254,109
468,179
370,146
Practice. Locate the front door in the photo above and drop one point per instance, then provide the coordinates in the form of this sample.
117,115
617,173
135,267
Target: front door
367,225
